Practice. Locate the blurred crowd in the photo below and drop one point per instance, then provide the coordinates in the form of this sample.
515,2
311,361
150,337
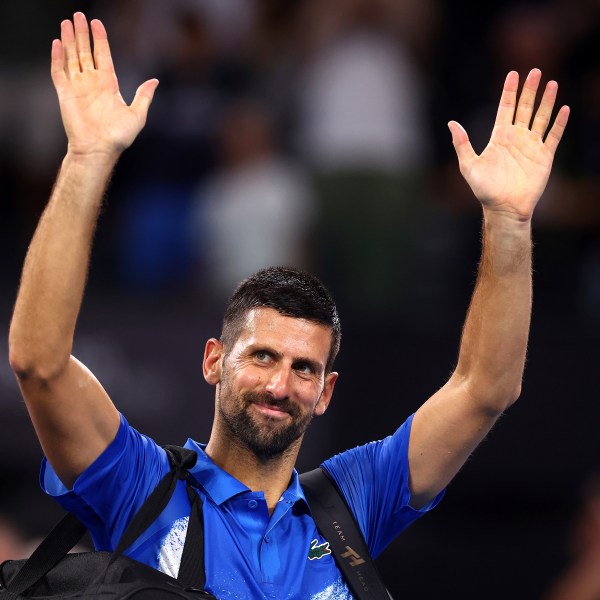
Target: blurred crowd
313,134
307,133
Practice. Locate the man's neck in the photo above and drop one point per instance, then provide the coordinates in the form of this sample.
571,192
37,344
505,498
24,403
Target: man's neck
271,476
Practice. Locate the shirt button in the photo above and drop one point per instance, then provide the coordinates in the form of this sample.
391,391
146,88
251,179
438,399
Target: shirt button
267,539
252,504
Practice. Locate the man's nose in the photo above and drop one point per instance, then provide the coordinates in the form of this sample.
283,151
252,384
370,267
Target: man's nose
279,382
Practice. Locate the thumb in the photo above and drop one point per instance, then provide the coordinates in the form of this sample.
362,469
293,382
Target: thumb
143,97
461,143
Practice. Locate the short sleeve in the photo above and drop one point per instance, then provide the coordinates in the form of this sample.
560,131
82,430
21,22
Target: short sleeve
110,491
374,481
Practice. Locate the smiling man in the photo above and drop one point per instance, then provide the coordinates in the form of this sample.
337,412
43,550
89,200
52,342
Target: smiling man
272,367
279,365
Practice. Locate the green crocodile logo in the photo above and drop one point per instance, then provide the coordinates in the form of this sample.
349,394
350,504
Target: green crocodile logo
318,551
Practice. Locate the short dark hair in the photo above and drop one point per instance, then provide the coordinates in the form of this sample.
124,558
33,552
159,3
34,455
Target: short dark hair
292,293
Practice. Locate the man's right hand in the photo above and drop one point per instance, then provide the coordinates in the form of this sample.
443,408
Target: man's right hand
73,416
97,120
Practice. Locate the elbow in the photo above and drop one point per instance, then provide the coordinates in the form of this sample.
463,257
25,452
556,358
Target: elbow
27,366
516,395
493,396
22,366
17,358
508,395
503,399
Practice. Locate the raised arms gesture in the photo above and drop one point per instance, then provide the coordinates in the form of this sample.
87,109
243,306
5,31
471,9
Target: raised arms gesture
508,178
73,416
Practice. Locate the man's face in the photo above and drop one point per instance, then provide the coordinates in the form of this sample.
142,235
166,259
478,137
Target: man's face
272,381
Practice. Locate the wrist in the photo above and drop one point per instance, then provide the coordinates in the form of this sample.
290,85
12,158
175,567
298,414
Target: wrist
506,241
506,220
99,160
88,173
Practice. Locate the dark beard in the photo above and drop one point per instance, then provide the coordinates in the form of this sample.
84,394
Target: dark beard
270,439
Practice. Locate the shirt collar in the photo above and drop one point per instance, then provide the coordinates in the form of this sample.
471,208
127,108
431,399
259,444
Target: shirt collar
221,486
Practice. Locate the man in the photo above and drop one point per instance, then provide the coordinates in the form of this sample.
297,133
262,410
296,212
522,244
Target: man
272,366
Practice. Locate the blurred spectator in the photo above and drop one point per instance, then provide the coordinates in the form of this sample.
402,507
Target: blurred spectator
180,148
563,40
362,106
146,34
361,95
255,212
581,579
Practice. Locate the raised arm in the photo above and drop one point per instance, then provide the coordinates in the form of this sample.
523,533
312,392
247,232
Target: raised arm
508,178
72,414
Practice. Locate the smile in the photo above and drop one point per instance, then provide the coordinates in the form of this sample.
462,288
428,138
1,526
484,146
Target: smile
270,410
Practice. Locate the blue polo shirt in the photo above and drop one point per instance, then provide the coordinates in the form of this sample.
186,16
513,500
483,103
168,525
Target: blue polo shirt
249,553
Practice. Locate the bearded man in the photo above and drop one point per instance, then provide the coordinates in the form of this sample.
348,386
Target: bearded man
272,366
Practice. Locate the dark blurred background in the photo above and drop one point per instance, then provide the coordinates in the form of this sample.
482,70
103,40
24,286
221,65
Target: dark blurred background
314,134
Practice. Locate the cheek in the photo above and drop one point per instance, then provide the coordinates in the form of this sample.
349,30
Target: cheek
310,395
248,378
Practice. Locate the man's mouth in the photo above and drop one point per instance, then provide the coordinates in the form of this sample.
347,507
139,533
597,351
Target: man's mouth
270,410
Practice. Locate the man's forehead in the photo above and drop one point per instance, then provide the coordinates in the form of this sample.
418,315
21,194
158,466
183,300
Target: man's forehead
263,324
270,319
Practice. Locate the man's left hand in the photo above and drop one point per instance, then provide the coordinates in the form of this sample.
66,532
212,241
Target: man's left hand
510,175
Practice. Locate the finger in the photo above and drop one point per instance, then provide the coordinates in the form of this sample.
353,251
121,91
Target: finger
555,134
462,145
102,54
57,63
67,36
143,98
508,100
527,98
82,41
544,112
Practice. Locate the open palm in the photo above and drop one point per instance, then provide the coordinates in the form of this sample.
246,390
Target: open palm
511,173
95,116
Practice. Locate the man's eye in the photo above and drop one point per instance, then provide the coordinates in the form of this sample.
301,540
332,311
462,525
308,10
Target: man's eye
304,368
262,356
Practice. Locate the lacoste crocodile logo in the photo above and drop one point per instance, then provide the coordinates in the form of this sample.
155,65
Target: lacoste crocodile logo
319,551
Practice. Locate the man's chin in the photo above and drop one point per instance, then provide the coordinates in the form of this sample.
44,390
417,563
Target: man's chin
271,439
267,435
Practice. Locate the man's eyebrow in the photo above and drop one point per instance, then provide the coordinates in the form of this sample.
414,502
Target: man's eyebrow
264,348
316,366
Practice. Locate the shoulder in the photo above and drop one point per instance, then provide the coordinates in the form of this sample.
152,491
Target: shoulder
109,492
373,460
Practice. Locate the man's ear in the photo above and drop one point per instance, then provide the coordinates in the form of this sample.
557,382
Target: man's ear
211,365
326,394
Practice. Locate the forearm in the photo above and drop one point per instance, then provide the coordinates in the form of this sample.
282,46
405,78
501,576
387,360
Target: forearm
55,270
508,178
494,340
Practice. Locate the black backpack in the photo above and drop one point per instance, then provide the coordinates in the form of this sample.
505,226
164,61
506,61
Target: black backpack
52,573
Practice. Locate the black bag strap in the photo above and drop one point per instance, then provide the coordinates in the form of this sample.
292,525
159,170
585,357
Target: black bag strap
191,567
53,548
70,530
329,509
180,459
337,525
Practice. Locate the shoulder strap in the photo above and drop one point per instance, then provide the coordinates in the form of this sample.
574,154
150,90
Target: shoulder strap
53,548
191,568
337,525
180,460
70,530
